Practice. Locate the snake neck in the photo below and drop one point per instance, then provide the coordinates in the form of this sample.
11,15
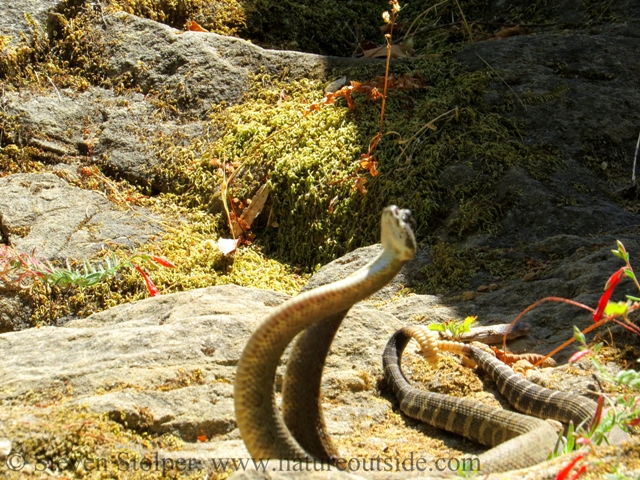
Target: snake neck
259,421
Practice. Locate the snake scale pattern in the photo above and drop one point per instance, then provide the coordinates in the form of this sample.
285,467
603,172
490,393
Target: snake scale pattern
518,440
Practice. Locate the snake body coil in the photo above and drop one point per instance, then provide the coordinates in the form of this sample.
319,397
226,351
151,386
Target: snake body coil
261,425
519,441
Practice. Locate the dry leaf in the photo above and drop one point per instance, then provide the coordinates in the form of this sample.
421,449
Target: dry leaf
282,97
194,27
363,45
252,211
511,32
228,245
358,184
397,51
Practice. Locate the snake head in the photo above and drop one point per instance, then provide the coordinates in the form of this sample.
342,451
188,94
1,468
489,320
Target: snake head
397,232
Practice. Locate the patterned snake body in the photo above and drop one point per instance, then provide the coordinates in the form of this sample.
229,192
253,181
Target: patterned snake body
527,440
533,399
261,426
518,440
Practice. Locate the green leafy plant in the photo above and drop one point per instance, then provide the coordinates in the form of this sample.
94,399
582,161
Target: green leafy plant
621,411
624,410
454,328
605,311
19,269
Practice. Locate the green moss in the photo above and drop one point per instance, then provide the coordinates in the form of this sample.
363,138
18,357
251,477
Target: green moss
192,246
183,379
81,444
14,159
453,266
70,54
599,11
314,213
225,17
318,26
449,269
310,160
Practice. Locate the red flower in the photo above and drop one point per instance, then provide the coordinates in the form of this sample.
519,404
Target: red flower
162,261
562,474
580,471
634,423
578,355
608,290
597,416
153,290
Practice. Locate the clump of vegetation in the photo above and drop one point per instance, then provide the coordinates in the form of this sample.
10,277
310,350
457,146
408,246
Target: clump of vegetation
225,17
309,159
15,267
621,410
198,264
454,328
83,444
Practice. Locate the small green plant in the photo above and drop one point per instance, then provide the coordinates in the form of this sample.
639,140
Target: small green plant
623,411
606,311
19,269
454,328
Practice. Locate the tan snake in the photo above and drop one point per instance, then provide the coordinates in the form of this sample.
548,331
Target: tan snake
261,425
519,441
320,312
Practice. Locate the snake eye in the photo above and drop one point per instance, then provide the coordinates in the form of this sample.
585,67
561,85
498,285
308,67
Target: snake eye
407,218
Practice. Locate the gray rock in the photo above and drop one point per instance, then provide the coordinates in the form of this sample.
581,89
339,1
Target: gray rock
575,92
206,68
120,132
541,211
167,364
44,212
12,21
572,84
